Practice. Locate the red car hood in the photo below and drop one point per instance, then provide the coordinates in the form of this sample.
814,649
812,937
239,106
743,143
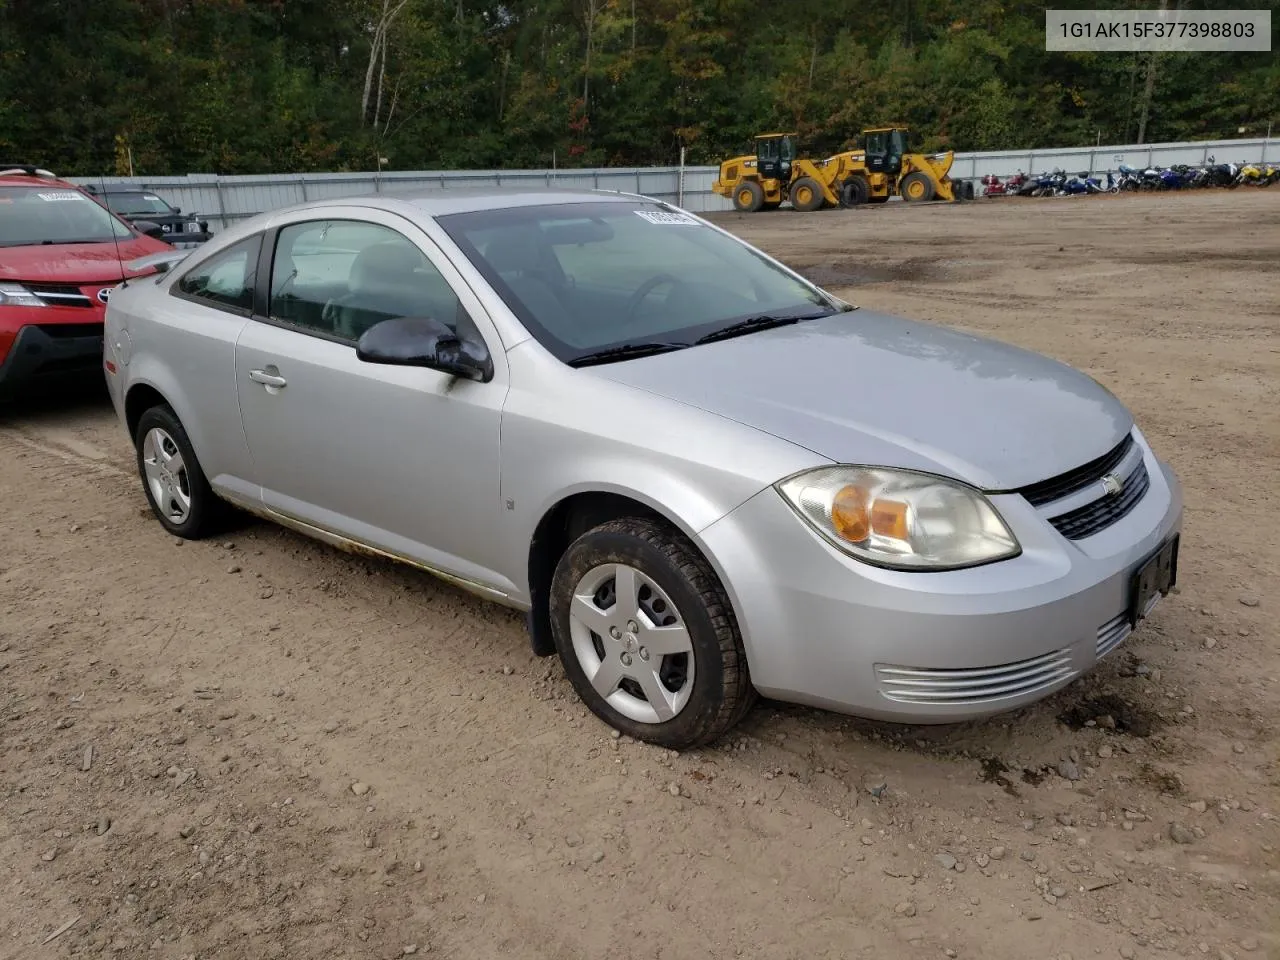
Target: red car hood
75,263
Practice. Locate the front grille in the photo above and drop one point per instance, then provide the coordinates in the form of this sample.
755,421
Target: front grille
1111,634
1055,488
1106,510
59,294
979,685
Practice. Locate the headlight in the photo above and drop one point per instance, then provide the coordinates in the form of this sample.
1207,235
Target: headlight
16,295
900,519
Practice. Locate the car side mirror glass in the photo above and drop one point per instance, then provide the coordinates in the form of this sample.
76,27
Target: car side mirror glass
424,342
149,228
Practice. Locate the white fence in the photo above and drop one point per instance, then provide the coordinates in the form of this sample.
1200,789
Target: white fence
224,200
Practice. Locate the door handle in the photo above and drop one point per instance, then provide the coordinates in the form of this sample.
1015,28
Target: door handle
267,379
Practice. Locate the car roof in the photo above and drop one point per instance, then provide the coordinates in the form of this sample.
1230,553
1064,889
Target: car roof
112,188
443,202
18,177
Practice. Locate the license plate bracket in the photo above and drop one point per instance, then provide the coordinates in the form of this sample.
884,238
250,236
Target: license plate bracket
1156,576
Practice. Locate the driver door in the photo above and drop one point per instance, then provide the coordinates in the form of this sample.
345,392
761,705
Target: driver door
401,458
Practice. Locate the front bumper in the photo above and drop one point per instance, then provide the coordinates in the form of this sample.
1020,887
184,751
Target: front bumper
43,355
823,629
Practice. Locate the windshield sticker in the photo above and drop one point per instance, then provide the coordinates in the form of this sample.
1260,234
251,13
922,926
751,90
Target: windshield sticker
62,195
663,218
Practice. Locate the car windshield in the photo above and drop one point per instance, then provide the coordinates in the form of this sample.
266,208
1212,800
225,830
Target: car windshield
52,215
134,204
588,277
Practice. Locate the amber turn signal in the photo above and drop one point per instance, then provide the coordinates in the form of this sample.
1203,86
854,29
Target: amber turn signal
889,519
849,514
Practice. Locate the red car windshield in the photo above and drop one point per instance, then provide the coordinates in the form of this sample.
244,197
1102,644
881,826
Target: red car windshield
31,216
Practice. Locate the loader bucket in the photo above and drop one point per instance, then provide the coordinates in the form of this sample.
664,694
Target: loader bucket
941,163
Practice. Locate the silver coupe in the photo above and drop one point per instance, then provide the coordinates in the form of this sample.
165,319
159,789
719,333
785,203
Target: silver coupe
702,476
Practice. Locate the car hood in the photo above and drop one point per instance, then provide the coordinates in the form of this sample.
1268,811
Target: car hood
75,263
867,388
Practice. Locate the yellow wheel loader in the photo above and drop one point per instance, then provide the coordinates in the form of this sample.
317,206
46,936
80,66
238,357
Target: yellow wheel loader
772,175
889,169
878,170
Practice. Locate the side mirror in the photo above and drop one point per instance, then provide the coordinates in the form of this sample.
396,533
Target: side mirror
150,229
177,210
424,342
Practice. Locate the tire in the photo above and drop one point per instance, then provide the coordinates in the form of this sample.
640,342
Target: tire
969,190
806,194
180,496
855,192
916,188
680,589
748,197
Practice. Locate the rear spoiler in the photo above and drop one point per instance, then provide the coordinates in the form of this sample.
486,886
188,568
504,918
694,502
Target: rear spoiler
159,262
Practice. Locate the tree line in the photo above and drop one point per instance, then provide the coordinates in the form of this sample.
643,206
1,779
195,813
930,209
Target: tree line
256,86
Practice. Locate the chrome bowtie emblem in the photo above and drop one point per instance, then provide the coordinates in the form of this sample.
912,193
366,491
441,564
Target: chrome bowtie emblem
1112,485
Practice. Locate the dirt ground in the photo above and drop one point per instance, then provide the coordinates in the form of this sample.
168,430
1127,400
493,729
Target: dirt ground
260,747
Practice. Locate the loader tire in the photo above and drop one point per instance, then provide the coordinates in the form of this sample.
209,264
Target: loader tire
916,187
854,192
748,197
806,194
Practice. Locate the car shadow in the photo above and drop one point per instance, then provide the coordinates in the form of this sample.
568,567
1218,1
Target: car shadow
64,402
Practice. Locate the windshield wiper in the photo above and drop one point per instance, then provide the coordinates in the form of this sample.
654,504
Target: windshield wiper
752,324
626,352
60,243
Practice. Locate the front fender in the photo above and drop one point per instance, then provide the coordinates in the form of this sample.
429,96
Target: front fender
581,433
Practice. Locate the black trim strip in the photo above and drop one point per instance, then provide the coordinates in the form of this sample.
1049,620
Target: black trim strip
1063,485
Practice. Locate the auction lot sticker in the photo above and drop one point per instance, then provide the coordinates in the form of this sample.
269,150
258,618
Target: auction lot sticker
1117,31
667,219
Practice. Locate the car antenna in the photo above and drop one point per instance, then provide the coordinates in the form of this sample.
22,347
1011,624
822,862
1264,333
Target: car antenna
115,237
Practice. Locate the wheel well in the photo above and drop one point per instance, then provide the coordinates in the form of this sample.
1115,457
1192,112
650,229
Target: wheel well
139,400
559,527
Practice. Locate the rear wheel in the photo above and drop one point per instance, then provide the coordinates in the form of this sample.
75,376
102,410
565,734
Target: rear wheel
175,484
916,187
647,635
806,195
748,197
854,192
969,190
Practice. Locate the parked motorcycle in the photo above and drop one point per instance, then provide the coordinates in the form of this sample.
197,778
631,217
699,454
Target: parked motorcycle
993,186
1178,176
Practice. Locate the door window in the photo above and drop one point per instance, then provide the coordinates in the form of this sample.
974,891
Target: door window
226,280
340,277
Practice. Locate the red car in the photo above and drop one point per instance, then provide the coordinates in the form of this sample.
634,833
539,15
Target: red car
61,252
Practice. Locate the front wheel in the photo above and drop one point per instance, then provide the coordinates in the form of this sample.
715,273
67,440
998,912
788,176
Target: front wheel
916,187
647,635
806,195
175,484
